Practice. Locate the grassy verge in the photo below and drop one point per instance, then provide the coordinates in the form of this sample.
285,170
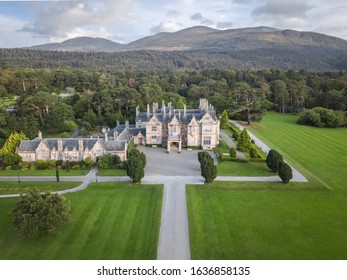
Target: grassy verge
266,221
109,221
42,172
229,168
23,187
112,172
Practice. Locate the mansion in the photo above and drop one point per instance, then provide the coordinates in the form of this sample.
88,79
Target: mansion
179,128
165,126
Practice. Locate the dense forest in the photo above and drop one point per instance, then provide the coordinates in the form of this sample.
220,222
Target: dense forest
309,59
100,98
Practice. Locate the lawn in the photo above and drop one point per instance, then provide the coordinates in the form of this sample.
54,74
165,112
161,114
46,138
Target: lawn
319,153
229,168
42,172
112,172
109,221
257,220
22,187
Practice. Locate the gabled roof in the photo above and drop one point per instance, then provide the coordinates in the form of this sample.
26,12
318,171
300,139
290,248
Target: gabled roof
28,145
114,145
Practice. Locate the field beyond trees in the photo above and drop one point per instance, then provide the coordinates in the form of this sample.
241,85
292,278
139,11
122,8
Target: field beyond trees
109,221
255,220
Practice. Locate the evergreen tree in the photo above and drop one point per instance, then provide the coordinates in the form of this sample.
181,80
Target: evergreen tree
244,141
233,152
208,169
285,172
273,159
224,120
135,165
254,153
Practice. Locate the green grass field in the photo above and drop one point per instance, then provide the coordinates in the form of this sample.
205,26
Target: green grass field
112,172
254,220
319,153
229,168
109,221
43,172
267,223
23,187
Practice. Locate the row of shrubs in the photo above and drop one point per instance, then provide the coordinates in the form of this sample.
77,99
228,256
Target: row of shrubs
52,165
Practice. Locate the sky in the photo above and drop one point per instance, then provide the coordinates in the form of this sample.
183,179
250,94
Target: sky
28,23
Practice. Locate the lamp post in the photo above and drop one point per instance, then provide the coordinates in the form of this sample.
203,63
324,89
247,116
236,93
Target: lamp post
18,176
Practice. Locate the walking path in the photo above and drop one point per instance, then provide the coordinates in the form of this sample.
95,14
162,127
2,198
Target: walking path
230,143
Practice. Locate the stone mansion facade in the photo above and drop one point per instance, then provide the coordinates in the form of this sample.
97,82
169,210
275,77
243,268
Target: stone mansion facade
165,126
179,128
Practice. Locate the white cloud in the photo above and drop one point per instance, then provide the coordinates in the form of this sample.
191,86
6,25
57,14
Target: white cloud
166,26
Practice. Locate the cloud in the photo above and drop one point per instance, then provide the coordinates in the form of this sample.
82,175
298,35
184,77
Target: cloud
292,8
199,17
283,14
166,26
61,20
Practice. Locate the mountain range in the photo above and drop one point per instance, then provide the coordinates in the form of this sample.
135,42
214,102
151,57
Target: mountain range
205,38
197,47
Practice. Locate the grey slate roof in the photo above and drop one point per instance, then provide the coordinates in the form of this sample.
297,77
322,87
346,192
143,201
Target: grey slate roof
28,145
114,145
197,113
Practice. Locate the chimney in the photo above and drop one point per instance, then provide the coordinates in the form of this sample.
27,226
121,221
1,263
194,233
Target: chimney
148,109
137,110
39,135
80,144
127,123
60,144
106,136
185,109
179,114
115,134
117,123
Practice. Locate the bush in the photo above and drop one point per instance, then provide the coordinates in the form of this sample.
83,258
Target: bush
52,164
285,172
273,159
89,162
59,162
232,152
41,165
322,117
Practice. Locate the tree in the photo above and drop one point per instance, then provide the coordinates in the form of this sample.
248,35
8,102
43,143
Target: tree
208,169
254,153
224,120
232,152
244,141
39,213
135,165
285,172
273,159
